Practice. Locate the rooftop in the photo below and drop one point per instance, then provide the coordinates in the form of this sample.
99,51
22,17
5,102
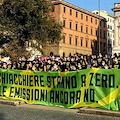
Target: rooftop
77,8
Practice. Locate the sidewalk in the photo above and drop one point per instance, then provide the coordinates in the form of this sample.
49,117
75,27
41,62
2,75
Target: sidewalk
11,102
84,110
98,111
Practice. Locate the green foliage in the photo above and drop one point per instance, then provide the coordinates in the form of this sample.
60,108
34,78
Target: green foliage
26,20
13,50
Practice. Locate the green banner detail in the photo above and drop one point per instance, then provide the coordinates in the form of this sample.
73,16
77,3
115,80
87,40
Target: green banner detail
91,87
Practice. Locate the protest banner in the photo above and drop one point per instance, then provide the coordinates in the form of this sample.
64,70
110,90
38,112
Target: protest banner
94,87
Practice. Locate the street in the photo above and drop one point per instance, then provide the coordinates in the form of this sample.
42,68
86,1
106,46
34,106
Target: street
39,112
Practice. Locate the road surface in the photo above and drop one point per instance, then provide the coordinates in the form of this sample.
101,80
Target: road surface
40,112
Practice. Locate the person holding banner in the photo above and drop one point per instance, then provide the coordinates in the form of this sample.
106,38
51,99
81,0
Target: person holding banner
116,64
78,66
29,66
107,60
55,67
23,63
84,62
99,59
4,65
94,64
48,65
10,64
62,67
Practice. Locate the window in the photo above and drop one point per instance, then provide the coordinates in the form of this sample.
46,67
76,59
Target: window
96,32
86,42
87,29
64,9
70,11
91,20
104,47
76,39
70,24
108,19
91,31
92,43
63,38
76,26
86,18
100,23
76,14
100,33
70,39
81,16
97,13
81,28
109,41
113,42
64,21
104,33
96,21
108,34
104,24
100,45
108,26
81,41
96,44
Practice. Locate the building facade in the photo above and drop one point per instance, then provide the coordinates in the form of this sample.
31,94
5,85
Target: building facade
80,30
110,29
116,10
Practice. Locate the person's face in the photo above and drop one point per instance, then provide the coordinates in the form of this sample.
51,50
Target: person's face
93,63
72,59
116,59
55,64
96,63
33,61
30,64
106,66
4,64
23,58
49,61
33,68
103,63
68,58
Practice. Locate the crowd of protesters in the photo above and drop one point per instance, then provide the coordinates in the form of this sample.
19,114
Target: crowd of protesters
57,63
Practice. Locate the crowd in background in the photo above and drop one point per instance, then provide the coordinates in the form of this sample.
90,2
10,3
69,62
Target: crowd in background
57,63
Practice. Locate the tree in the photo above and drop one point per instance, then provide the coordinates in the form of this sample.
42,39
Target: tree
14,51
25,21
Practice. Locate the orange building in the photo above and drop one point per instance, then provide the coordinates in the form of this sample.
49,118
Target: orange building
80,31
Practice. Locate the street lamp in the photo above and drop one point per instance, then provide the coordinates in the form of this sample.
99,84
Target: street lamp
99,25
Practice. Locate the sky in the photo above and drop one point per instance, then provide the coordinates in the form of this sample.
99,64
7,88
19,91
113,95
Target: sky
91,5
